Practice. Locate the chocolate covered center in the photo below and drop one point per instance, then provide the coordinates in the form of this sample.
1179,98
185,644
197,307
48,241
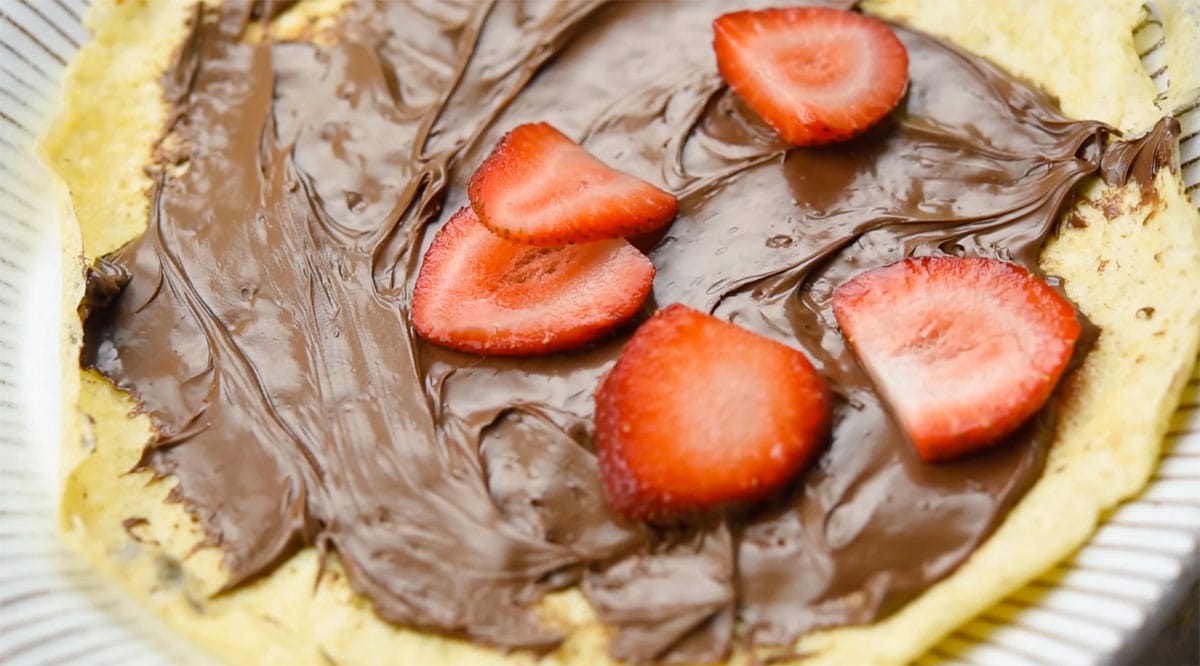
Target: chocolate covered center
265,329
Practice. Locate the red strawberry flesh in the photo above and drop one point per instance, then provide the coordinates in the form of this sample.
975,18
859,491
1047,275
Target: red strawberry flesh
541,188
963,349
699,413
477,292
814,74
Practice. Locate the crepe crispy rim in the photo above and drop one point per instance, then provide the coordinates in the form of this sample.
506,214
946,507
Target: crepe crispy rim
1117,463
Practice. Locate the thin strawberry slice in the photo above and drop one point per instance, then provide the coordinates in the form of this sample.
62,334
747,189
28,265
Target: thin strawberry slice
698,413
815,74
477,292
541,188
963,349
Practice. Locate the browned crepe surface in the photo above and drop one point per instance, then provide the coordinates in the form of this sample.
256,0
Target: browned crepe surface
567,607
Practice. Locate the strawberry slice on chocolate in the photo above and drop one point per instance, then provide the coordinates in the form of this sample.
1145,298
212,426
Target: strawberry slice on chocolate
962,349
542,188
699,413
814,74
477,292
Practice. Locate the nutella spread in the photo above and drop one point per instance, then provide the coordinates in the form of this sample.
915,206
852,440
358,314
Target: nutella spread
262,320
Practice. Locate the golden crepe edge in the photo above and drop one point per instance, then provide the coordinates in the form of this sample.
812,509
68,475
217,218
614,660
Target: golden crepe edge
1107,444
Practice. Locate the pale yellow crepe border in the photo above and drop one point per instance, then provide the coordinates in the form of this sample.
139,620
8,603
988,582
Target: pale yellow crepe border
1107,445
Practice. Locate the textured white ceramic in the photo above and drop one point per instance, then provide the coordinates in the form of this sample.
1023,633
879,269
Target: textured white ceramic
1099,607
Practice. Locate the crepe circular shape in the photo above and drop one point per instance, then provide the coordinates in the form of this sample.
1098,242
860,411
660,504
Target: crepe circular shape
1094,463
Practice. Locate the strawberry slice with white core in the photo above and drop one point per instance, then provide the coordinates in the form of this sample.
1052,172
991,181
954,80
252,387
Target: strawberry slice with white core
698,413
477,292
814,74
540,187
962,349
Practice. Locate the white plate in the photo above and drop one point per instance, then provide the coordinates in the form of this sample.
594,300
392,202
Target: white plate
1102,606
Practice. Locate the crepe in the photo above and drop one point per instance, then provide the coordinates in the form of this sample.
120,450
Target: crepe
1124,256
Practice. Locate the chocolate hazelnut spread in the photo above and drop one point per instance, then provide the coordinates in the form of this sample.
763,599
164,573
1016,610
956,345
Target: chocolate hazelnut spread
262,319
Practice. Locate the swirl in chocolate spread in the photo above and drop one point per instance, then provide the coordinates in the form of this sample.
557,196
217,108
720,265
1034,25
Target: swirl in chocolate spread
264,323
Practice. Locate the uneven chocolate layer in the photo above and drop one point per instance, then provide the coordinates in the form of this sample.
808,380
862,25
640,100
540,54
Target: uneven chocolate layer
263,323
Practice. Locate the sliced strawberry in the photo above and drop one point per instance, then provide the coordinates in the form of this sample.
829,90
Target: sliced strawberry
963,349
698,412
541,188
477,292
814,74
